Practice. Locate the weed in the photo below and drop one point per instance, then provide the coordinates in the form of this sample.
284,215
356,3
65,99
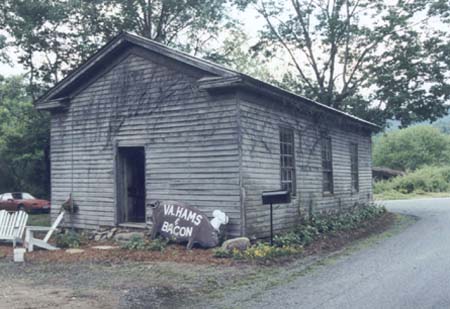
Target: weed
69,239
138,243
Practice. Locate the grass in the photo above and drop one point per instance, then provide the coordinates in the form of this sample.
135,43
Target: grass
39,220
395,195
424,182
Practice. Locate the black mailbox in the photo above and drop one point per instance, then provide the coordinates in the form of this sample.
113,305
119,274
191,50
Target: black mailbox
276,197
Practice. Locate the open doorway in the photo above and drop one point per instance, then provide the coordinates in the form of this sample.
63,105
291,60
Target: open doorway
131,185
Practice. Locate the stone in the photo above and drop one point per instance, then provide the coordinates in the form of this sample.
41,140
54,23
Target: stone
105,247
111,233
98,237
128,236
74,251
240,243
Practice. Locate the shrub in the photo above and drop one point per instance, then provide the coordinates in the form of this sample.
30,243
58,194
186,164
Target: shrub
135,243
263,251
138,243
425,179
69,239
411,148
304,234
222,253
158,244
292,243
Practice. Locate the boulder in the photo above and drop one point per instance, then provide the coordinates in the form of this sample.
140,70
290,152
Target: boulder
111,233
240,243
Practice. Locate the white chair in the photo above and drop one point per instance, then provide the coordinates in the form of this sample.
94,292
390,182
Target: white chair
12,225
31,241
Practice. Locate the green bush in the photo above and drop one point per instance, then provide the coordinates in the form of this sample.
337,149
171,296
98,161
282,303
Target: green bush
425,179
69,239
222,253
292,243
158,244
411,148
263,251
305,233
138,243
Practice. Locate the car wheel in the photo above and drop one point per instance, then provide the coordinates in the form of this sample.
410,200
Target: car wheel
21,207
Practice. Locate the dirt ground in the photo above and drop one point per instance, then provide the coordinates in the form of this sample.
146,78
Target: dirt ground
135,279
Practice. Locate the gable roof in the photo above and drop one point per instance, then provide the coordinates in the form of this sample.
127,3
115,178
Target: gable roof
223,77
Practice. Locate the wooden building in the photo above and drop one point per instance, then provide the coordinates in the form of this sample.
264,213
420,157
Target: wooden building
139,121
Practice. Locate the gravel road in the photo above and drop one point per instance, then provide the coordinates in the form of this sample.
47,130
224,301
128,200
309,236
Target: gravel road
408,270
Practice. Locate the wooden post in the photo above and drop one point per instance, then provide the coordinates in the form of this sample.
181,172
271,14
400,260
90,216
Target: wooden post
271,225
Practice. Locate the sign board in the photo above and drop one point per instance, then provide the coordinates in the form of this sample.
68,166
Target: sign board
183,223
276,197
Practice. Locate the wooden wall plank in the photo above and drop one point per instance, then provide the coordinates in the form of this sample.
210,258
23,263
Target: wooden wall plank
260,120
190,140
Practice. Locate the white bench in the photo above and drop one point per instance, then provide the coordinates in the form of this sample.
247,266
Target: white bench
12,225
31,241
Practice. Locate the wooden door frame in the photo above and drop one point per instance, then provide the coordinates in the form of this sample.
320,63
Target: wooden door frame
116,162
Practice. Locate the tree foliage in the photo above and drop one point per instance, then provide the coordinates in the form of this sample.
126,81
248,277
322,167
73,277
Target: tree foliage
23,141
411,148
54,36
367,57
235,52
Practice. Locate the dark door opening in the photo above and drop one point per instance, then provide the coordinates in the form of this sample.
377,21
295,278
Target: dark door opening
131,184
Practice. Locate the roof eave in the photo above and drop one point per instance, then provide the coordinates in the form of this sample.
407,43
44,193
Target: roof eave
212,84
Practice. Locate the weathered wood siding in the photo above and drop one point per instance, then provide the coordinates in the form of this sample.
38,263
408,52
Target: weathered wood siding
190,140
260,120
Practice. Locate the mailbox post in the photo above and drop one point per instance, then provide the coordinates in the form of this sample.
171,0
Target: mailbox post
275,197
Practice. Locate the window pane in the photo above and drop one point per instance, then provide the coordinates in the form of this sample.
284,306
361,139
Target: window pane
354,169
327,164
287,160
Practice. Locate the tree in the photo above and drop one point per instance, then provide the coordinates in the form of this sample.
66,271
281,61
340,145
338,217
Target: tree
411,148
236,53
54,36
366,57
23,140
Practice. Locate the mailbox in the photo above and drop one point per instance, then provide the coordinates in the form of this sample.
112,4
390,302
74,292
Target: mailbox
276,197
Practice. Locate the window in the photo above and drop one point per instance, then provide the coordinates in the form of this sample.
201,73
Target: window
327,164
354,166
287,160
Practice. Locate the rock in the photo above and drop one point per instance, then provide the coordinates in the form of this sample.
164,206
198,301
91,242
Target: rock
240,243
128,236
111,233
74,251
105,247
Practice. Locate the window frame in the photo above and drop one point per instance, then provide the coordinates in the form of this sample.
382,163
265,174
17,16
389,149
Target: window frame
354,167
327,164
287,157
